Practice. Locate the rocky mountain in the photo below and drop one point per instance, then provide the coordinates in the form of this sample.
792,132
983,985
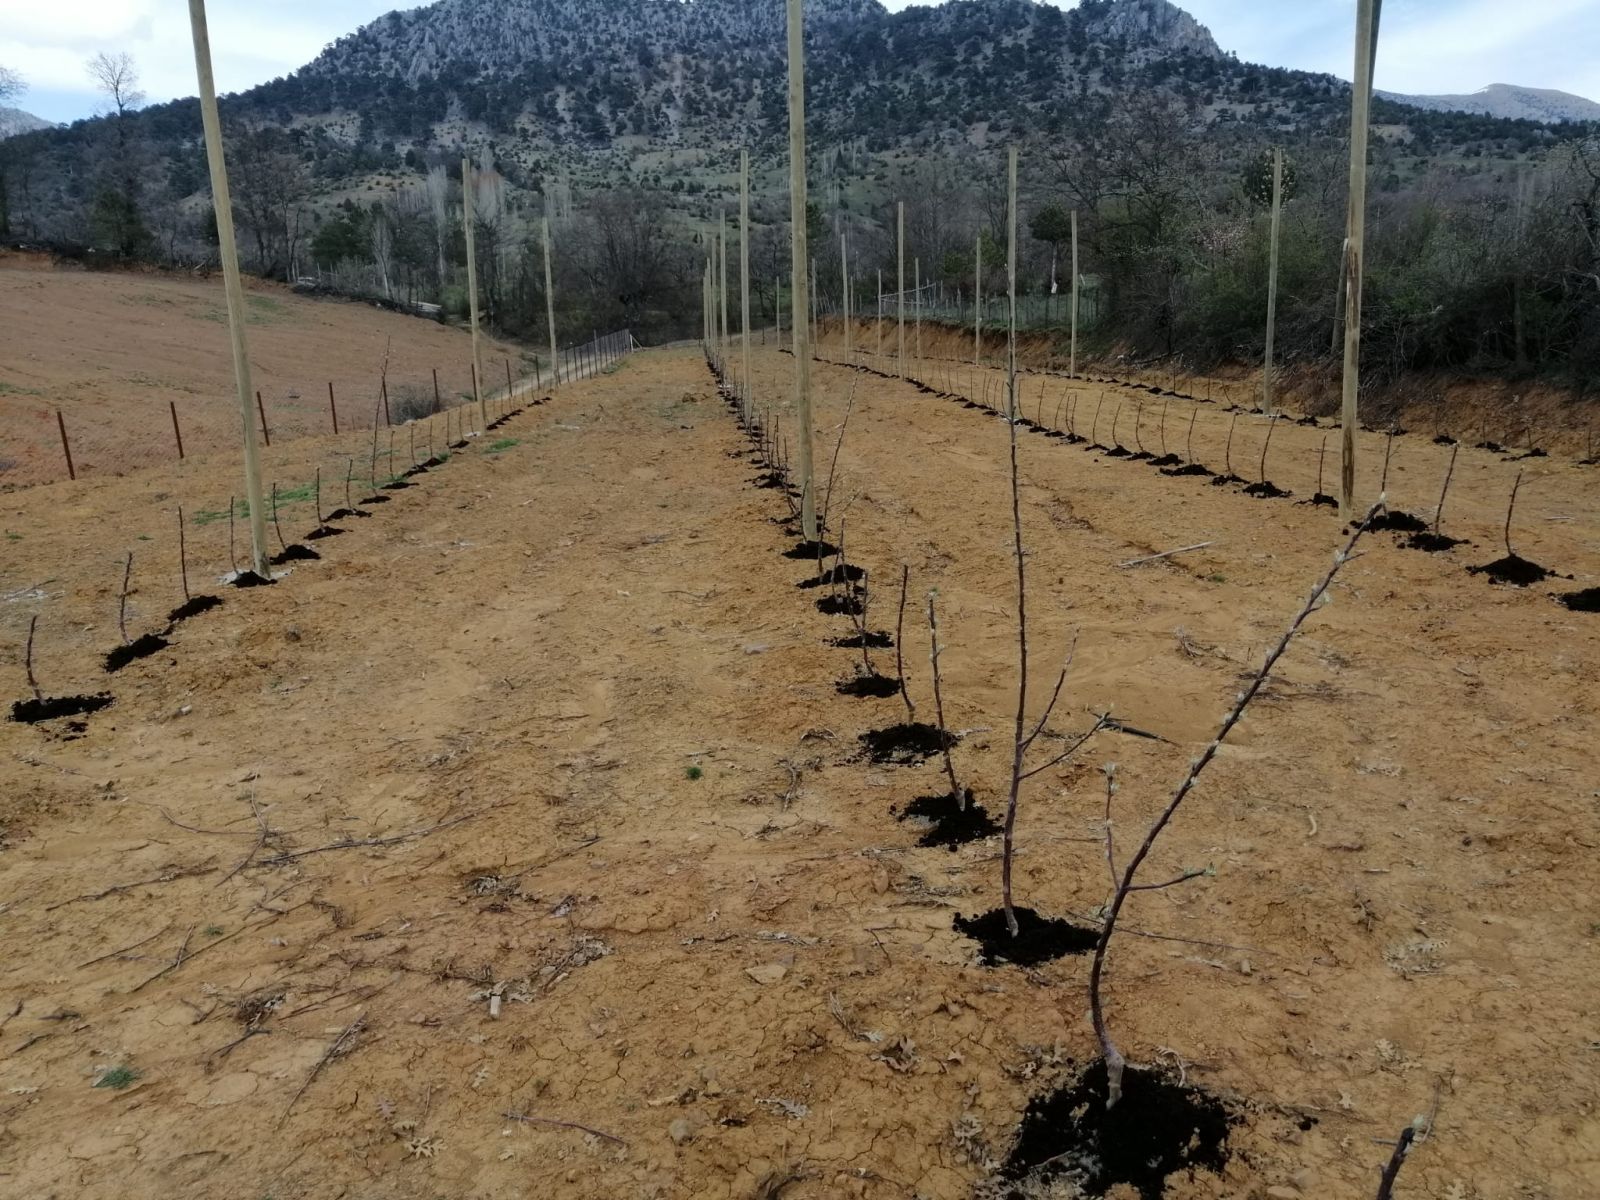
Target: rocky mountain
1509,101
14,121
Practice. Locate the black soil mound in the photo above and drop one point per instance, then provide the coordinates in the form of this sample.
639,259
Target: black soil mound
874,640
1587,600
1310,421
1119,452
139,648
1141,456
1189,469
399,485
1158,1129
840,605
869,687
770,480
193,608
249,579
1323,500
1444,439
811,551
295,553
1433,543
1225,480
1267,490
905,744
1039,939
323,531
1515,570
843,573
343,514
31,712
374,500
952,825
1398,522
1493,447
1167,460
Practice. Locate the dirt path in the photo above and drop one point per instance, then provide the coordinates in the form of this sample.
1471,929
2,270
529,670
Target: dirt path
572,676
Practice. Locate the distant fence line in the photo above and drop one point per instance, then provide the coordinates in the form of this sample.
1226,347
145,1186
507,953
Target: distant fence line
43,444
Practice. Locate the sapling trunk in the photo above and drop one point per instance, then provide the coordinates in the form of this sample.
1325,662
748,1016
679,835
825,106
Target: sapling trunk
1165,404
277,528
1438,513
1094,428
349,469
1391,1171
1388,453
1227,453
183,557
1321,455
1116,418
1272,424
122,602
956,792
1019,744
1188,446
1511,508
899,645
27,659
233,558
1138,415
1114,1060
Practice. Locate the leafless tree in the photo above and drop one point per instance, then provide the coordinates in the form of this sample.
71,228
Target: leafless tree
116,215
116,76
11,84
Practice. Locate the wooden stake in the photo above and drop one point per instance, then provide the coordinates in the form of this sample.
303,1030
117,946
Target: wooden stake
744,276
66,447
550,296
800,256
469,221
977,301
1367,12
183,556
901,284
177,433
1272,280
333,407
228,248
1072,363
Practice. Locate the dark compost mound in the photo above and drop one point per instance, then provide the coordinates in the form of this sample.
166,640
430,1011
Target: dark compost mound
249,579
869,687
952,825
1515,570
31,712
295,553
843,573
905,744
193,608
1398,522
133,651
1433,543
1039,939
1587,600
1158,1129
1189,469
811,551
874,640
1267,490
845,605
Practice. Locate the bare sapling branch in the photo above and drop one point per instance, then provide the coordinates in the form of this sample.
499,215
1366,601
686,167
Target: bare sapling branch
1115,1062
233,559
1391,1171
1227,453
27,658
1188,446
277,528
833,466
1388,453
122,602
899,645
183,556
957,793
1438,513
1511,507
1272,424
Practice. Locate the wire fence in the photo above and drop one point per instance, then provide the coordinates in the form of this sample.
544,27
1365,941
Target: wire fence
181,532
46,443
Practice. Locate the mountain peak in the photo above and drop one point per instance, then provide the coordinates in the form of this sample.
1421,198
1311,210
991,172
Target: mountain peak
14,121
1508,100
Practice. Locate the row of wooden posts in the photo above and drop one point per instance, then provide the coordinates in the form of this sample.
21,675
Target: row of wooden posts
229,252
803,272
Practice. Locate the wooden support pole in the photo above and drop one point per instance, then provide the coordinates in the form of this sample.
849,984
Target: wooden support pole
1072,363
900,232
844,287
470,221
722,288
1272,280
177,433
744,275
977,301
917,275
1367,13
228,248
550,296
799,258
266,434
333,407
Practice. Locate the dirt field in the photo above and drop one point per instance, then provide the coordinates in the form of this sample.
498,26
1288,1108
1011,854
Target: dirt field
555,733
112,351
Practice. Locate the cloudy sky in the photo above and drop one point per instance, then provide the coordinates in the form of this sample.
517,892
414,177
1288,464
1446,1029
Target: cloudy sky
1427,45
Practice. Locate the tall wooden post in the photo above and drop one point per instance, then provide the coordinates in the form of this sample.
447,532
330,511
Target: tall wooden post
1072,363
880,318
722,288
1355,232
900,231
1272,280
844,286
815,290
550,295
777,307
1011,282
977,302
470,221
744,271
228,247
799,258
918,276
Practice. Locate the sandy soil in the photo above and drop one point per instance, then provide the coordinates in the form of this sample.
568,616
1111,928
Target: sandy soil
557,725
111,351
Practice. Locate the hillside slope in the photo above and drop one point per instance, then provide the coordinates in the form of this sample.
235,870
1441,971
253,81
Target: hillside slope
1509,101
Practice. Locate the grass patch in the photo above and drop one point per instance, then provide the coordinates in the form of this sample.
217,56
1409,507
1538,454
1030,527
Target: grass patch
117,1078
695,773
502,444
241,507
11,389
